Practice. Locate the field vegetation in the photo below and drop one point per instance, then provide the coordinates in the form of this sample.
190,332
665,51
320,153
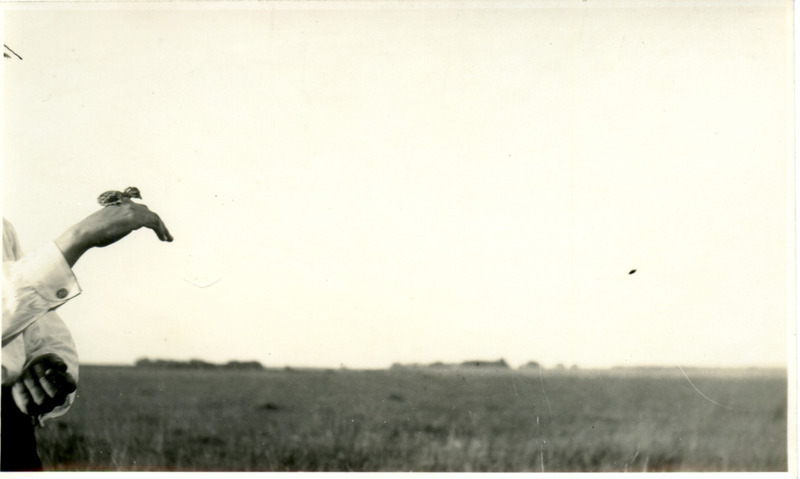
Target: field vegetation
454,419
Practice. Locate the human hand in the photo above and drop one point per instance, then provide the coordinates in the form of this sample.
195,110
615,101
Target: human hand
107,226
43,385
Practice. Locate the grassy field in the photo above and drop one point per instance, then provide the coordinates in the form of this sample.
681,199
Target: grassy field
405,420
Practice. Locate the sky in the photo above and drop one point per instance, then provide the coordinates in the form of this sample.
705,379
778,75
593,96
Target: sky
357,184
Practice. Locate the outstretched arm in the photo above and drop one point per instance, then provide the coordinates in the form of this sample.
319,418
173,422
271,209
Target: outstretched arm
35,284
107,226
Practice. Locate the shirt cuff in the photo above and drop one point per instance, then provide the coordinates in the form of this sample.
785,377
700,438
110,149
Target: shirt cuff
58,411
48,273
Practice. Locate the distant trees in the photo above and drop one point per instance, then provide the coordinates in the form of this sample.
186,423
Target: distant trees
499,364
531,365
472,364
243,365
196,364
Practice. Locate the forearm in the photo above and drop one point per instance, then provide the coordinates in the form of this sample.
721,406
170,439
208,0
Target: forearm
107,226
72,245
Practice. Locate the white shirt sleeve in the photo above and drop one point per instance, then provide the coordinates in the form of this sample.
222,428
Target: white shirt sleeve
34,285
50,335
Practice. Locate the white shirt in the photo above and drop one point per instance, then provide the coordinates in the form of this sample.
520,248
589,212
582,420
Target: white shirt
33,286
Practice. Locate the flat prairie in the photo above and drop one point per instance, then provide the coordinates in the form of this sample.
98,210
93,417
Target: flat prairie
422,420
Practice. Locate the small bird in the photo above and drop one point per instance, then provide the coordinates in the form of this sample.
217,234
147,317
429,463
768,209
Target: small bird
6,55
632,271
113,197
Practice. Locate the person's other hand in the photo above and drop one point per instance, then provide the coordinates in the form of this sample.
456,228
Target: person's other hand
43,385
107,226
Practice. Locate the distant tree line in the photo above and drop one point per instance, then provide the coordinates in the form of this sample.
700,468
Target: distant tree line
196,364
473,364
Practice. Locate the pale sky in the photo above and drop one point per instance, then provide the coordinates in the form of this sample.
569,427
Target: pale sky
373,185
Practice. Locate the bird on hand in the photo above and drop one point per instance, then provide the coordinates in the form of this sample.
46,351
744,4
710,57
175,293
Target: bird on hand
116,198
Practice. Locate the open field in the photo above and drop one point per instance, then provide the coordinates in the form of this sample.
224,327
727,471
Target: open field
425,420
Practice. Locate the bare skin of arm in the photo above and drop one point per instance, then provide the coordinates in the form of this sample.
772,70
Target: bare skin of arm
107,226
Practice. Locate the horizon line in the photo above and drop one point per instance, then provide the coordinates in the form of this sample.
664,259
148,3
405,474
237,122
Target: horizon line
445,366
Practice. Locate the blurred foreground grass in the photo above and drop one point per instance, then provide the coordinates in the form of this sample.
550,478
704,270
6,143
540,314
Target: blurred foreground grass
128,419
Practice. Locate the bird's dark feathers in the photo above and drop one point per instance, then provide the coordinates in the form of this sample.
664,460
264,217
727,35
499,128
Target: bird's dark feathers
132,192
113,197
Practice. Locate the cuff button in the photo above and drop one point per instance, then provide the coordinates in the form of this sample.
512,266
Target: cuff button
61,293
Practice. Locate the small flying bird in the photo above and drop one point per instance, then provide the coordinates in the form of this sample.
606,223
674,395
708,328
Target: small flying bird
632,271
113,197
6,55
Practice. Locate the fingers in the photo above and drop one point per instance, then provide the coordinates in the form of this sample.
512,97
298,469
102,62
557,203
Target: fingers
153,221
40,374
161,229
53,379
43,386
57,385
114,223
22,398
34,387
